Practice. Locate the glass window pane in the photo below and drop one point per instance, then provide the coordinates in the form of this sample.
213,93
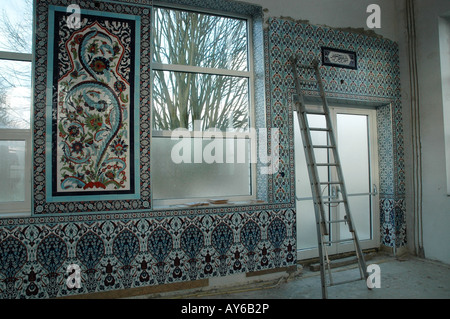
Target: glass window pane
16,25
352,136
12,171
180,99
353,139
360,209
206,178
15,94
306,225
196,39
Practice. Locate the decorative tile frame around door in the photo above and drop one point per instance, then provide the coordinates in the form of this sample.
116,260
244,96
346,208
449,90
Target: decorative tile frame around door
375,82
92,108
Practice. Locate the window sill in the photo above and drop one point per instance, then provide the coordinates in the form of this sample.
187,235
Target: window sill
15,215
209,204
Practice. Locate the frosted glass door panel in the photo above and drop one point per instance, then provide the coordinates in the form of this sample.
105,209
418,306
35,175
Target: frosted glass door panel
360,210
354,153
353,145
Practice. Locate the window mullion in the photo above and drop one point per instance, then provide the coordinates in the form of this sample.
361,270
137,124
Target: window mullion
15,56
197,69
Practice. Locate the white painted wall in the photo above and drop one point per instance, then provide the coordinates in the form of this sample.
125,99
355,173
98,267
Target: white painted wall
334,13
436,203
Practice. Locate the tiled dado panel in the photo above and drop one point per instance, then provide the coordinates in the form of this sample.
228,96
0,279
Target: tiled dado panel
116,251
375,82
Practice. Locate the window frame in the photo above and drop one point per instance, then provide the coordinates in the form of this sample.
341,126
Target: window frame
249,74
21,208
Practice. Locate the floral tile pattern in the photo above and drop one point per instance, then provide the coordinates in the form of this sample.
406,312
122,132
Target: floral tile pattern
94,106
119,253
376,82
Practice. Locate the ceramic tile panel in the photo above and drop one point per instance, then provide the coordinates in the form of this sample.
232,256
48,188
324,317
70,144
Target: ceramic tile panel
376,81
135,250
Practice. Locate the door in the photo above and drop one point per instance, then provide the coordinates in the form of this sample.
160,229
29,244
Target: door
355,132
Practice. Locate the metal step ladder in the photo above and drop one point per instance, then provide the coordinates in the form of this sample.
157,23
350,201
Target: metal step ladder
313,79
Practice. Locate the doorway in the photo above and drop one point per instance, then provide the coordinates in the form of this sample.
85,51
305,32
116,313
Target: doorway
356,136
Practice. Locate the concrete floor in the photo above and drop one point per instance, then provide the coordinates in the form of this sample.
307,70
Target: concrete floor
405,277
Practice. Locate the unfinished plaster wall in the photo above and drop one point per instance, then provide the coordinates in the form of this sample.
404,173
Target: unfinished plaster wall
344,14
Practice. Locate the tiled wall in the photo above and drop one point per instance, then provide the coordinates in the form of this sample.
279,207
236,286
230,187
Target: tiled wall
129,247
376,82
118,251
121,244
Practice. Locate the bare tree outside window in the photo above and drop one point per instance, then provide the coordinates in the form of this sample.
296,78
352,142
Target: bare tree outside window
201,81
15,75
209,90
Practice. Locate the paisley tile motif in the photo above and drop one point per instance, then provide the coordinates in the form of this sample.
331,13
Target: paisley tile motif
160,244
126,247
222,238
250,235
90,249
13,256
192,242
51,253
277,233
250,238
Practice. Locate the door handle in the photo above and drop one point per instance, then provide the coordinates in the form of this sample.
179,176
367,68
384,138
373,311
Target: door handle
335,192
374,190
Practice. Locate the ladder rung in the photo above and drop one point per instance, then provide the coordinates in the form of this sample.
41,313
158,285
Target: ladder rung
337,241
331,183
319,129
334,201
323,198
337,221
316,112
323,146
327,164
